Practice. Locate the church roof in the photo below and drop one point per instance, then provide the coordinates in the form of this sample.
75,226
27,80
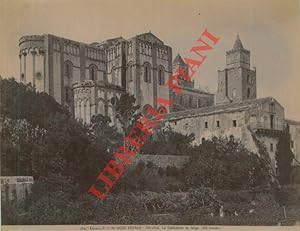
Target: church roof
217,109
237,44
111,41
150,37
178,60
294,122
200,91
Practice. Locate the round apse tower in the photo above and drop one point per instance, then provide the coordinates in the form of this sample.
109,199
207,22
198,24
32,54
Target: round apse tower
32,61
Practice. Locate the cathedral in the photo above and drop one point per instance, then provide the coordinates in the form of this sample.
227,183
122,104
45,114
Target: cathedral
88,78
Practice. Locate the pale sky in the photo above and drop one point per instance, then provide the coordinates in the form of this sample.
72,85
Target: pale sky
268,28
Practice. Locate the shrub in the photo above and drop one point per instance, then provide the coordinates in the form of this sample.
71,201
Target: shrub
295,175
168,142
265,212
225,164
284,157
202,197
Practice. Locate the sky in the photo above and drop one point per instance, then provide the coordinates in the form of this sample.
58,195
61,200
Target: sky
270,29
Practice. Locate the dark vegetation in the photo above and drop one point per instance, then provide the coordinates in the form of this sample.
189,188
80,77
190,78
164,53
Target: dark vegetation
40,138
284,157
168,142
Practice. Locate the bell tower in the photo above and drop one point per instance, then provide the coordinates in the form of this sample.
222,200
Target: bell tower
237,82
178,62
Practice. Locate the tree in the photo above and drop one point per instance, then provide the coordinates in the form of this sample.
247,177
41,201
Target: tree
284,157
225,164
18,139
126,111
104,133
19,101
42,139
167,142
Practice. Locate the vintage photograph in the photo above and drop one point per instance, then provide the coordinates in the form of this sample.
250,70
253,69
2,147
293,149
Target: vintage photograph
147,112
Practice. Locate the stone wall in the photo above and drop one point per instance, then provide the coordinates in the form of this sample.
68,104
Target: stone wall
15,187
32,59
162,161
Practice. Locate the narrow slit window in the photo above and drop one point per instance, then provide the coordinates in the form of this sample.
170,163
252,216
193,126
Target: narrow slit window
234,123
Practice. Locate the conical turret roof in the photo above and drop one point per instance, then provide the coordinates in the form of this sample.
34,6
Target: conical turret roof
178,60
237,44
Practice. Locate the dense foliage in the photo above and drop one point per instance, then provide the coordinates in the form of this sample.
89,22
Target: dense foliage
40,138
284,157
167,142
197,206
225,164
19,101
149,177
126,111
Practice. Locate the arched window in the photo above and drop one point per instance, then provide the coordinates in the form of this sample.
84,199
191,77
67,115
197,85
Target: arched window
109,111
199,102
22,77
161,76
93,72
78,109
146,49
68,92
68,73
82,111
272,107
130,48
234,93
113,75
130,72
147,73
67,69
101,107
248,79
248,93
38,75
190,101
87,112
266,121
143,49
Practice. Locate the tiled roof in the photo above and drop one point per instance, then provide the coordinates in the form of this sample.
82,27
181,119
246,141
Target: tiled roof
294,122
222,108
111,41
195,90
150,34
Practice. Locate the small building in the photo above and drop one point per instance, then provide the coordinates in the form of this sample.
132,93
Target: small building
15,187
